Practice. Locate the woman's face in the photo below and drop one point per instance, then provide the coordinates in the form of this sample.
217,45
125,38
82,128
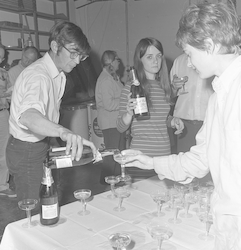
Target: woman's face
152,61
116,63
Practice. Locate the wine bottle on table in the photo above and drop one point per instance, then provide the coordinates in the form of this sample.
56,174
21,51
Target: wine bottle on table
138,93
48,196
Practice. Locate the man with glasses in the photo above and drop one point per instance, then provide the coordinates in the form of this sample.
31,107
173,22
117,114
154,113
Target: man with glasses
34,113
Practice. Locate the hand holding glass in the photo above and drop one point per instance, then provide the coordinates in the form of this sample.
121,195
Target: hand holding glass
179,83
83,194
27,205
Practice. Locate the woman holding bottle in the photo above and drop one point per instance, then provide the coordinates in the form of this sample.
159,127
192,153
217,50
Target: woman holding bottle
149,135
107,94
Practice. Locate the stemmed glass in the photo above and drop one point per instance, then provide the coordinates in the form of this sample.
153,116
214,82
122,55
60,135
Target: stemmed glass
118,157
207,218
182,90
112,180
178,204
119,240
160,197
27,205
189,198
83,194
121,192
159,231
171,192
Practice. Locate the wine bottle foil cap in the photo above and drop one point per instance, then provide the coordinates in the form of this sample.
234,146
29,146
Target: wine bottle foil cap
47,176
136,82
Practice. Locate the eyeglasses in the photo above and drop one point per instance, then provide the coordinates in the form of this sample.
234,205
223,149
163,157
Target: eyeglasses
73,55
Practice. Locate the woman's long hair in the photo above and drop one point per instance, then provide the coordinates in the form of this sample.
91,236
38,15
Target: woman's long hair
162,76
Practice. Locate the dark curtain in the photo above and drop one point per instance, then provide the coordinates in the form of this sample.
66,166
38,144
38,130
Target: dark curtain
81,82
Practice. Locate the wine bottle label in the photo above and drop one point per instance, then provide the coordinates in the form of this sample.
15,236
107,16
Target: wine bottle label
64,162
141,106
50,211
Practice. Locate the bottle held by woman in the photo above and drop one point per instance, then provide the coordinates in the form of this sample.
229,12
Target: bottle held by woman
138,93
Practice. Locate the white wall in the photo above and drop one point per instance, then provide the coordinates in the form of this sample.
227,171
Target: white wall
105,26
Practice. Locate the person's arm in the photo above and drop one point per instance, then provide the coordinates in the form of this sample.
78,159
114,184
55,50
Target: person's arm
39,124
182,167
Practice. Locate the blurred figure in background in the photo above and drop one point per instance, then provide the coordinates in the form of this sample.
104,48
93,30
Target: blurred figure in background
107,95
4,131
29,55
191,105
149,135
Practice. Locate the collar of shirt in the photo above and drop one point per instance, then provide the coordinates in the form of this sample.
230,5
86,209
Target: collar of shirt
223,82
52,69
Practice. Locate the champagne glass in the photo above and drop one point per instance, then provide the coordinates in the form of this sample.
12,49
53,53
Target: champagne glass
118,157
178,204
182,189
171,192
121,192
112,180
82,195
189,198
206,218
160,232
119,240
27,205
182,80
160,197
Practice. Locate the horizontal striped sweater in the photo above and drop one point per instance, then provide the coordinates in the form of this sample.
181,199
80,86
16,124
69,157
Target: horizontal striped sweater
149,136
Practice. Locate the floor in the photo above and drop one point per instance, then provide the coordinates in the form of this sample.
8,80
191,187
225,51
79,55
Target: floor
70,179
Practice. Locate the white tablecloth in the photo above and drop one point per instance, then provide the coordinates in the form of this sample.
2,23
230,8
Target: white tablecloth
75,232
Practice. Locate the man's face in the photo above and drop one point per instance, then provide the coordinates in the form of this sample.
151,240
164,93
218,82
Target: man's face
28,58
64,62
201,61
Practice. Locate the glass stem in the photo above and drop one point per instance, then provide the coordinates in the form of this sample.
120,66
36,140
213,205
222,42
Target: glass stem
158,209
28,212
159,244
112,190
122,170
120,203
208,225
187,207
84,205
175,214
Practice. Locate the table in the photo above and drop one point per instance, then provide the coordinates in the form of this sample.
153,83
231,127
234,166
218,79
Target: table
75,232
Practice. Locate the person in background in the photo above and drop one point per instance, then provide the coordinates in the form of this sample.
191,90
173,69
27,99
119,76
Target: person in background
4,131
34,112
149,135
190,106
29,55
212,50
107,95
